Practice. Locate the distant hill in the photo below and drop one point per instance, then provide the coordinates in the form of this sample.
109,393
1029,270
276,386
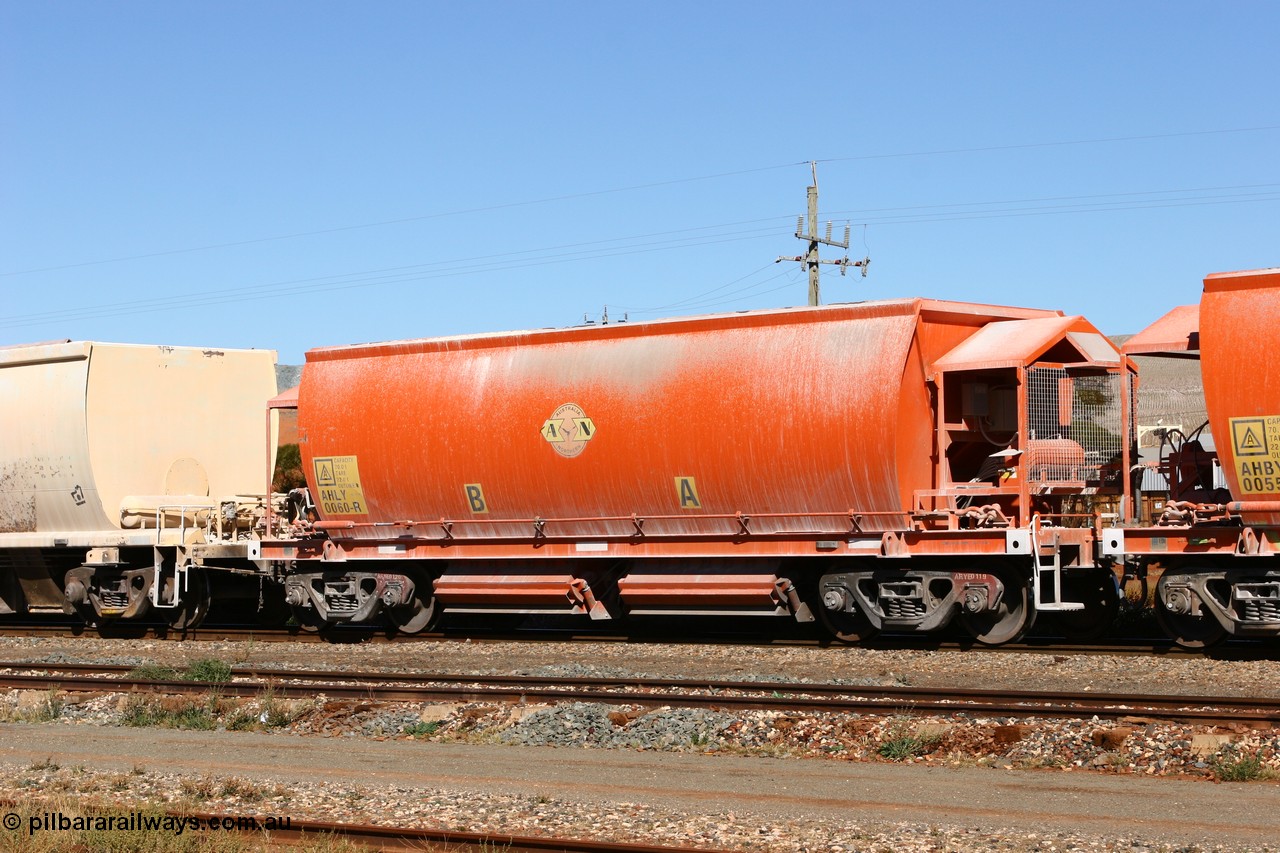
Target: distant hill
1170,391
287,376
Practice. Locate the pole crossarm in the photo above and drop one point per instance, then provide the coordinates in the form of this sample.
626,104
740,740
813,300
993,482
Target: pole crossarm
811,259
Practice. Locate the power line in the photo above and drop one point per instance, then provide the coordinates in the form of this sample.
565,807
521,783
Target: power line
1130,194
463,266
392,273
750,292
1064,143
793,276
1053,210
686,300
255,293
385,222
622,189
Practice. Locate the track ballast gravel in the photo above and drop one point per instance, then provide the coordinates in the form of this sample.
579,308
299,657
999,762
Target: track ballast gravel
1043,749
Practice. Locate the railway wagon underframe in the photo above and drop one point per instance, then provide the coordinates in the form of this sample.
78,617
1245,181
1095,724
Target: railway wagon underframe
994,581
1200,602
123,582
1214,581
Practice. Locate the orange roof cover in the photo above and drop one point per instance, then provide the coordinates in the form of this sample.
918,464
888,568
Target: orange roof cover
1175,332
1015,343
285,399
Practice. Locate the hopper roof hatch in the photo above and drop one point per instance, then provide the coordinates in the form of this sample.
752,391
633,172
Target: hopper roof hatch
1175,334
1018,343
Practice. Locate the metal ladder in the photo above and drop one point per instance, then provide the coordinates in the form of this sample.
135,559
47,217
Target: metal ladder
1048,575
181,565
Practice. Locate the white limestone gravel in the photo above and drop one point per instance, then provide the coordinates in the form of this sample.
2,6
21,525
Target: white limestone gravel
472,812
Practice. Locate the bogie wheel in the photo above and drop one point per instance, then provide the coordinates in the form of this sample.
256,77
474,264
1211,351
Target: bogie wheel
307,619
416,616
1009,620
1100,594
846,626
85,613
102,624
93,619
1190,632
195,602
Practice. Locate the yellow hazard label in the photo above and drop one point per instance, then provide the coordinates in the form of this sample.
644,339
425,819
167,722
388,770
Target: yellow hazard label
1255,443
338,484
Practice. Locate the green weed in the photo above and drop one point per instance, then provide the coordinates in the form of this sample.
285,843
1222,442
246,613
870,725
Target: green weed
901,742
208,670
422,729
154,672
47,711
183,713
1233,767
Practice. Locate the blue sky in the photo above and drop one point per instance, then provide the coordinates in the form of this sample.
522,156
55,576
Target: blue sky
294,174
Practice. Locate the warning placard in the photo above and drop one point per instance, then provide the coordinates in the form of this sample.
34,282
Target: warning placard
1255,443
338,484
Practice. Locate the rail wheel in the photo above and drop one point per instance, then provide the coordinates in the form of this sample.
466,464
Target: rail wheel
416,616
1010,618
1101,597
196,600
1187,630
307,619
1134,588
847,626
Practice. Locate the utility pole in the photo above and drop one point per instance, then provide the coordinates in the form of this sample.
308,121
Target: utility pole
810,260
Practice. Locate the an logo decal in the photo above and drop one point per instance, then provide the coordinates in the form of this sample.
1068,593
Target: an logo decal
568,430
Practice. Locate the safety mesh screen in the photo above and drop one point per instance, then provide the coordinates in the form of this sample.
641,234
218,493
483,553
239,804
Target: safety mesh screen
1075,424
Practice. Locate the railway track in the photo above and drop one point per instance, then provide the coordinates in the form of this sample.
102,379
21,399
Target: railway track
786,697
1132,647
391,839
408,840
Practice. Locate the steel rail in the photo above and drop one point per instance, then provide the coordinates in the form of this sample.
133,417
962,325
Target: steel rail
399,839
603,684
390,839
1244,650
725,695
344,635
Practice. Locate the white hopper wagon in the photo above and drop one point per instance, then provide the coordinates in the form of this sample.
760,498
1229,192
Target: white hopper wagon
127,473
